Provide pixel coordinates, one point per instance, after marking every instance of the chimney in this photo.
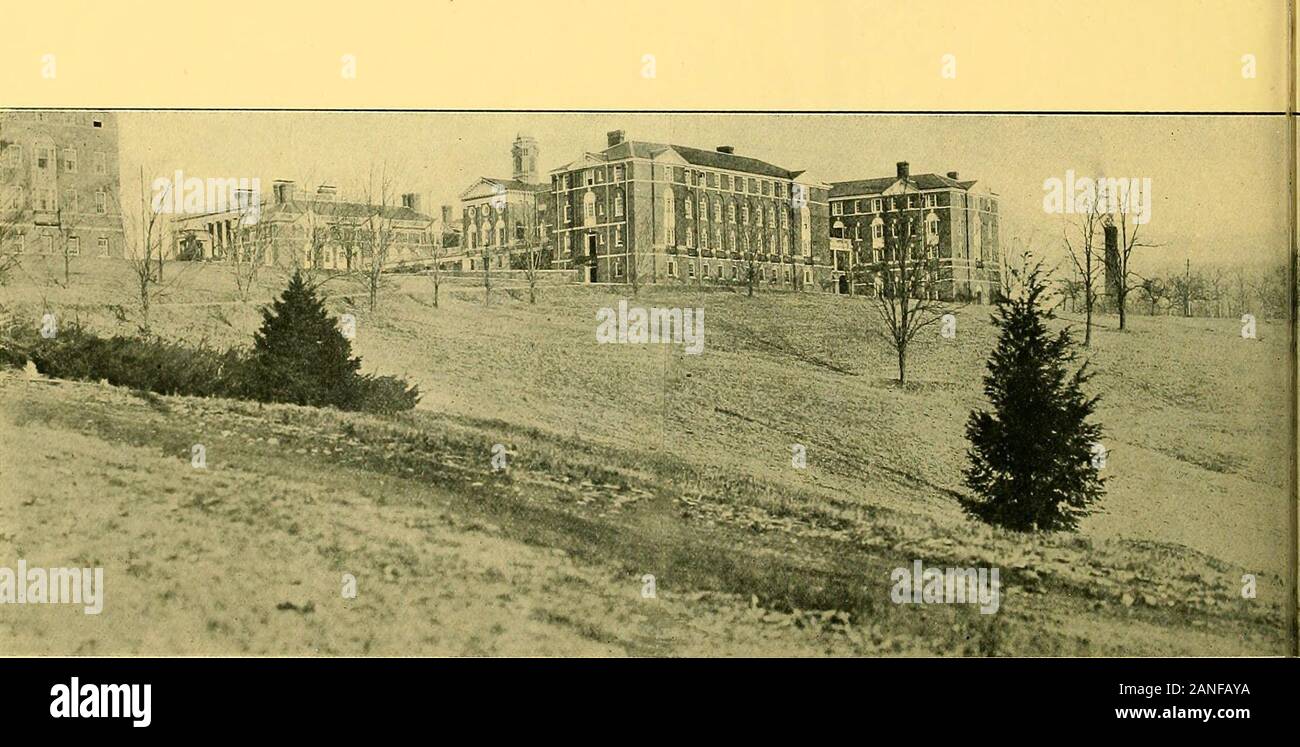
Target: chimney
(1111, 260)
(283, 190)
(902, 169)
(952, 175)
(411, 200)
(326, 192)
(726, 149)
(614, 137)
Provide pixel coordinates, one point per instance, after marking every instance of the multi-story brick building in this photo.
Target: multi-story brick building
(59, 183)
(651, 213)
(311, 231)
(507, 222)
(956, 221)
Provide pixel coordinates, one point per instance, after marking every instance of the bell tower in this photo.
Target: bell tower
(524, 153)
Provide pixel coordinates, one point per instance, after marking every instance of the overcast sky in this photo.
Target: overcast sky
(1218, 183)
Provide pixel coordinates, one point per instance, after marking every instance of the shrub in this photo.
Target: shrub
(299, 357)
(1031, 459)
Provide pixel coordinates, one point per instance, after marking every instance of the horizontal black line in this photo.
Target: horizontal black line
(910, 112)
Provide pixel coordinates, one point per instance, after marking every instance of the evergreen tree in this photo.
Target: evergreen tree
(300, 356)
(1031, 458)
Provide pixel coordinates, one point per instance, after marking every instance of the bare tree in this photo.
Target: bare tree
(377, 234)
(1128, 241)
(908, 301)
(251, 247)
(1155, 290)
(144, 258)
(10, 254)
(1270, 288)
(436, 253)
(1085, 254)
(1216, 288)
(69, 244)
(1071, 288)
(487, 276)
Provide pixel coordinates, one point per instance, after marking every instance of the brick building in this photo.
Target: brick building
(59, 184)
(955, 220)
(311, 231)
(653, 213)
(507, 222)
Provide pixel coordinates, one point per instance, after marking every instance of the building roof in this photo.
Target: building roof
(499, 186)
(335, 208)
(878, 185)
(712, 159)
(331, 208)
(514, 185)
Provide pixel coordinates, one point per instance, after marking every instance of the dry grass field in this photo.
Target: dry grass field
(627, 460)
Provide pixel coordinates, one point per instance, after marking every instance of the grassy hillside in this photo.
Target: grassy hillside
(630, 460)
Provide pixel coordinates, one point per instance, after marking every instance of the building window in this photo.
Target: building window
(103, 246)
(807, 276)
(15, 155)
(70, 160)
(837, 208)
(805, 231)
(688, 205)
(690, 236)
(706, 271)
(734, 275)
(704, 209)
(672, 269)
(931, 201)
(718, 272)
(717, 210)
(726, 182)
(618, 236)
(101, 201)
(618, 269)
(875, 205)
(589, 208)
(568, 213)
(74, 246)
(690, 269)
(731, 212)
(46, 200)
(589, 177)
(70, 201)
(618, 203)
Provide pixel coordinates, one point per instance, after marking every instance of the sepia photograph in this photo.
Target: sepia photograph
(645, 384)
